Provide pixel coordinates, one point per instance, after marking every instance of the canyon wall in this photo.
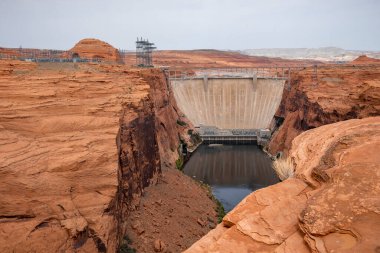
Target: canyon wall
(331, 205)
(229, 103)
(341, 92)
(79, 142)
(148, 139)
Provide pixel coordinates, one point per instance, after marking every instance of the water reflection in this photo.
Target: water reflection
(233, 171)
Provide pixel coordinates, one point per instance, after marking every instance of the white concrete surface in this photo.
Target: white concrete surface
(229, 103)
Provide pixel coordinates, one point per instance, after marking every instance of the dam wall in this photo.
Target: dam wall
(229, 103)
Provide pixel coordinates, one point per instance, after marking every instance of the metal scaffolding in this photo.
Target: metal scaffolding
(144, 50)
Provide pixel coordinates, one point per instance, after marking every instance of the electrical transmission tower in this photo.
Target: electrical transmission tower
(144, 50)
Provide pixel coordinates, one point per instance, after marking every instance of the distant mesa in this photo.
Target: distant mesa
(363, 59)
(95, 49)
(329, 54)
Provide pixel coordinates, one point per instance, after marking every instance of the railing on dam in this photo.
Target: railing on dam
(275, 72)
(214, 135)
(229, 139)
(259, 72)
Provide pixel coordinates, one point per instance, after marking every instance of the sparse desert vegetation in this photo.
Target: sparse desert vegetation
(284, 168)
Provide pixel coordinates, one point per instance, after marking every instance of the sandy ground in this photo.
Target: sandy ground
(172, 215)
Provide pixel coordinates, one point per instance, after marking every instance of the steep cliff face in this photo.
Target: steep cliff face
(341, 93)
(59, 160)
(139, 161)
(79, 142)
(332, 204)
(149, 138)
(168, 117)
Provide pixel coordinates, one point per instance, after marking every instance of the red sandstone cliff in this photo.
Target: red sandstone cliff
(332, 204)
(79, 142)
(342, 92)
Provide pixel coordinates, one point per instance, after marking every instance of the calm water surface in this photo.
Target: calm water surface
(232, 171)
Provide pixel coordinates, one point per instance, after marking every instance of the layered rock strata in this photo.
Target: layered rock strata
(332, 94)
(79, 142)
(331, 205)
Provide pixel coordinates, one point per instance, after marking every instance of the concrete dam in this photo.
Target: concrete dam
(233, 107)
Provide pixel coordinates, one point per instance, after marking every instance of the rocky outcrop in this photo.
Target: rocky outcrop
(332, 204)
(363, 59)
(95, 49)
(79, 142)
(339, 93)
(343, 213)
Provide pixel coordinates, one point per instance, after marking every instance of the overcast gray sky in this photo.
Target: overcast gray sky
(192, 24)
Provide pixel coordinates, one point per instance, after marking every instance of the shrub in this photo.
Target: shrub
(195, 138)
(284, 168)
(181, 123)
(179, 163)
(219, 210)
(127, 239)
(124, 246)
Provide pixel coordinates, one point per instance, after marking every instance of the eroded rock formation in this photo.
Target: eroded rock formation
(363, 59)
(339, 93)
(95, 49)
(79, 142)
(332, 204)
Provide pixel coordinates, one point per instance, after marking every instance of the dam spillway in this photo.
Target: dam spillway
(229, 102)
